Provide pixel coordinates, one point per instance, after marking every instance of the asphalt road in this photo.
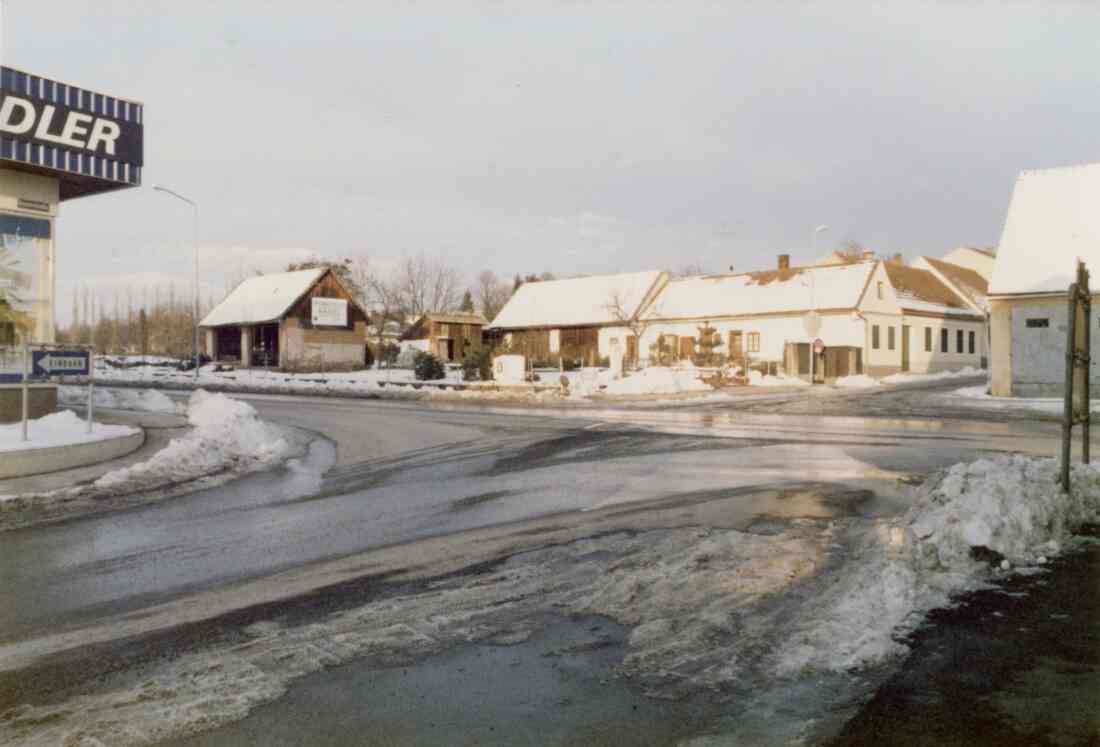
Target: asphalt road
(399, 472)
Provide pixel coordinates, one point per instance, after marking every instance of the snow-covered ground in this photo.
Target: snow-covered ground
(139, 400)
(801, 606)
(862, 380)
(57, 429)
(980, 396)
(660, 380)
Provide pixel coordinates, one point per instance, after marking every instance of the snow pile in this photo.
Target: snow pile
(1010, 506)
(908, 378)
(142, 400)
(57, 429)
(758, 379)
(860, 381)
(659, 380)
(226, 435)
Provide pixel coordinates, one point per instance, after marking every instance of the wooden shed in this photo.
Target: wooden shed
(448, 336)
(303, 321)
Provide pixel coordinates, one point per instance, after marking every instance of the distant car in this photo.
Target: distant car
(188, 364)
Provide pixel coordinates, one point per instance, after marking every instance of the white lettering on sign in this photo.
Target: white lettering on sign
(329, 312)
(80, 130)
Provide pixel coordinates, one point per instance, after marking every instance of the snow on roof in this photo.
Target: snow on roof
(263, 298)
(771, 291)
(1053, 219)
(575, 302)
(921, 290)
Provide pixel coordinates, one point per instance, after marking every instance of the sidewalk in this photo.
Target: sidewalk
(1015, 665)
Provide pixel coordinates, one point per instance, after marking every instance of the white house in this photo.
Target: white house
(574, 317)
(898, 318)
(1053, 220)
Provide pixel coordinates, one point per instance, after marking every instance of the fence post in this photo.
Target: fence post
(91, 386)
(1067, 417)
(1086, 362)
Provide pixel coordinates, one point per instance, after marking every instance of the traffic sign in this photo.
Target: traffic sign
(819, 346)
(60, 362)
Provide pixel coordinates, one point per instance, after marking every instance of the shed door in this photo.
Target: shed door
(631, 348)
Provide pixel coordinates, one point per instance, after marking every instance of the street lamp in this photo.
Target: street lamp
(813, 320)
(195, 326)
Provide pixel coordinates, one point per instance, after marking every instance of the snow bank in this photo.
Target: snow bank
(226, 435)
(1010, 505)
(142, 400)
(659, 380)
(910, 378)
(57, 429)
(860, 381)
(758, 379)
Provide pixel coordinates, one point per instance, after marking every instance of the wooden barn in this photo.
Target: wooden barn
(302, 321)
(448, 336)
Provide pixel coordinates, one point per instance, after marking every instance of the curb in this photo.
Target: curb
(28, 462)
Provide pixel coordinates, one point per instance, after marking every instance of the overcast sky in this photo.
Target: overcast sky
(573, 137)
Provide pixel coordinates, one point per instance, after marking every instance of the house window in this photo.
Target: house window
(959, 341)
(687, 348)
(874, 337)
(669, 345)
(890, 338)
(752, 344)
(881, 292)
(943, 340)
(971, 343)
(7, 333)
(1038, 323)
(928, 339)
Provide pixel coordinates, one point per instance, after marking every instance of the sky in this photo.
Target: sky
(570, 137)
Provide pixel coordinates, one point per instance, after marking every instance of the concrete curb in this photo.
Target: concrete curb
(55, 458)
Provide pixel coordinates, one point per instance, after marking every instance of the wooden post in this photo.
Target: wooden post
(1085, 300)
(1067, 417)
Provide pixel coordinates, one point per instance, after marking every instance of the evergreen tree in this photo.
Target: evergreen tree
(707, 343)
(467, 303)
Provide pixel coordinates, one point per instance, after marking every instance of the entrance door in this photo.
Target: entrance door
(450, 350)
(632, 349)
(905, 347)
(736, 351)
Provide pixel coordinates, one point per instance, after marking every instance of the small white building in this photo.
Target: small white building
(1053, 220)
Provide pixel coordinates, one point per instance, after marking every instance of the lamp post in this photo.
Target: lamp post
(195, 326)
(816, 323)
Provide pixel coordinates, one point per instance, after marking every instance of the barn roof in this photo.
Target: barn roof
(1053, 219)
(577, 301)
(264, 298)
(767, 292)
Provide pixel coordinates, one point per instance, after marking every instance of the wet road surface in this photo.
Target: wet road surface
(479, 469)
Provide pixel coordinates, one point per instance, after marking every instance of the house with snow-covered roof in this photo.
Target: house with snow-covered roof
(1053, 220)
(873, 316)
(301, 320)
(576, 317)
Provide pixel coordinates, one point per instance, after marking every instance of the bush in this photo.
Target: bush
(477, 365)
(389, 353)
(426, 367)
(368, 356)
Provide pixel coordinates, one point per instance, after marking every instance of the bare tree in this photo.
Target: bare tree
(492, 294)
(429, 284)
(635, 317)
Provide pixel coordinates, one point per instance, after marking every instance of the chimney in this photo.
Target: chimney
(784, 261)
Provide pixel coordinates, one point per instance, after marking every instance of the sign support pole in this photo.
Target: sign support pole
(26, 388)
(91, 386)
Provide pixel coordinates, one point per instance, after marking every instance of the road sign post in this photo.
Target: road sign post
(1076, 410)
(26, 389)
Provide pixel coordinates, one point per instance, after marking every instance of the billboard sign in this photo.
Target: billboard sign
(329, 312)
(92, 141)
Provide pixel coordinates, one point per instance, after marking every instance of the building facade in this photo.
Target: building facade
(447, 336)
